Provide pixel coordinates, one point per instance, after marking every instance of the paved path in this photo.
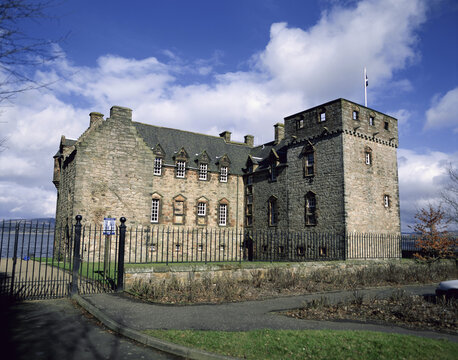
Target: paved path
(56, 329)
(242, 316)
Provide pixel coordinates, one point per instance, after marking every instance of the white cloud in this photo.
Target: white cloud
(17, 201)
(421, 179)
(443, 111)
(298, 68)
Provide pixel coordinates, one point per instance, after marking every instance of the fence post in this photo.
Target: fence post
(76, 255)
(122, 242)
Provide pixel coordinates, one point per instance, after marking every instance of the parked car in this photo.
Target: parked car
(448, 288)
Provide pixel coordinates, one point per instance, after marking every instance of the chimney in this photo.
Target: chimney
(94, 117)
(249, 140)
(226, 135)
(121, 113)
(279, 132)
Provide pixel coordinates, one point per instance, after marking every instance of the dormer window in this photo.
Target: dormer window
(158, 166)
(223, 174)
(181, 168)
(203, 172)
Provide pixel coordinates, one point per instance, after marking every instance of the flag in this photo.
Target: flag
(367, 81)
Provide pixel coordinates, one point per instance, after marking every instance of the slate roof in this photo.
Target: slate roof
(172, 140)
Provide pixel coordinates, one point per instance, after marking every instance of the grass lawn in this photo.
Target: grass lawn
(311, 344)
(88, 269)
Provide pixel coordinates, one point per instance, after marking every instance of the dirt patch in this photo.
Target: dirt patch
(412, 311)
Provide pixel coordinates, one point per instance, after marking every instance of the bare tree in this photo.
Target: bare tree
(450, 195)
(21, 53)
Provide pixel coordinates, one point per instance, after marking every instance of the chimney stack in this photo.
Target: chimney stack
(249, 140)
(279, 132)
(226, 135)
(95, 117)
(121, 112)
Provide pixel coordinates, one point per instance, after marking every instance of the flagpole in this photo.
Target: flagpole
(365, 87)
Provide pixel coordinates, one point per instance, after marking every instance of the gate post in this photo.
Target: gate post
(76, 255)
(122, 242)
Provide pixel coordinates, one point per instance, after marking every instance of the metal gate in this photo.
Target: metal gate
(41, 261)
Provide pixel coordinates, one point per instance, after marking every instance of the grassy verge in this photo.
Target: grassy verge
(281, 281)
(308, 344)
(91, 270)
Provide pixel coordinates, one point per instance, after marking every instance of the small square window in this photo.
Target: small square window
(322, 116)
(300, 123)
(386, 201)
(368, 158)
(386, 126)
(355, 115)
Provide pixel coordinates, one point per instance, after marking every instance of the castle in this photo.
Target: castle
(331, 168)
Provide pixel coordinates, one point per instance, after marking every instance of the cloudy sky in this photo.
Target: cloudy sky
(237, 65)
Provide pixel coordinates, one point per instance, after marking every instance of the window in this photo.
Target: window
(155, 211)
(355, 115)
(222, 214)
(322, 116)
(181, 169)
(201, 209)
(386, 126)
(249, 180)
(309, 163)
(273, 212)
(223, 174)
(371, 120)
(158, 166)
(203, 170)
(368, 157)
(179, 210)
(300, 124)
(310, 209)
(273, 172)
(386, 200)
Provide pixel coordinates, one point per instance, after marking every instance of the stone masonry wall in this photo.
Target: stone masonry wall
(326, 184)
(113, 173)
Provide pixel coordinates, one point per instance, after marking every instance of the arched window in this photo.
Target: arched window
(273, 211)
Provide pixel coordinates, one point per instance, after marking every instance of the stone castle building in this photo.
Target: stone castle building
(331, 168)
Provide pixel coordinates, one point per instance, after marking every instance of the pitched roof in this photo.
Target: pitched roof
(172, 140)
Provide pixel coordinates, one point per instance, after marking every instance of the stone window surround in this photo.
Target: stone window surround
(386, 201)
(157, 166)
(156, 198)
(202, 215)
(272, 211)
(223, 217)
(203, 171)
(223, 174)
(368, 156)
(180, 169)
(310, 211)
(177, 211)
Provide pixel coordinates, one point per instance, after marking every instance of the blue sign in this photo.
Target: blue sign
(109, 226)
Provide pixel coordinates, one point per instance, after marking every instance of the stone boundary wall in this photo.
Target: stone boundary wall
(235, 271)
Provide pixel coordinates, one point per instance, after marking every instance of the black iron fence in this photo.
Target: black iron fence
(39, 261)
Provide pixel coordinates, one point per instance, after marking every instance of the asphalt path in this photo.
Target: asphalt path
(58, 329)
(244, 316)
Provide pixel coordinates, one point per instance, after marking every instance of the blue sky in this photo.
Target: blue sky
(242, 66)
